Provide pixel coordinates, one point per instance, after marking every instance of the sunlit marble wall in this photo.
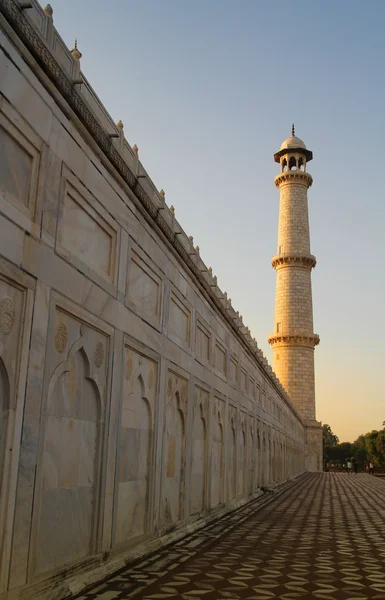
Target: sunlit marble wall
(129, 410)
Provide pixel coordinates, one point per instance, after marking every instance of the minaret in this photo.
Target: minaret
(293, 340)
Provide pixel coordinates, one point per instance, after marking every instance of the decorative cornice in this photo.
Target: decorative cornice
(308, 260)
(294, 339)
(299, 176)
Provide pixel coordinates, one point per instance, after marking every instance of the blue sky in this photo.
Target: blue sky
(208, 91)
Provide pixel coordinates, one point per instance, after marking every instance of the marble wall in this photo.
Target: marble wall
(130, 408)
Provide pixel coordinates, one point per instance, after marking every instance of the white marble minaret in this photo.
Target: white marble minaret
(293, 340)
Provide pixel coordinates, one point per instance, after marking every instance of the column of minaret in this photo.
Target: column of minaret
(293, 339)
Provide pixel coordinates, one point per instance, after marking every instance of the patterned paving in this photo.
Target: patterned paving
(323, 537)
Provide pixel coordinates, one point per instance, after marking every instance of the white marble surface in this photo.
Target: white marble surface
(134, 400)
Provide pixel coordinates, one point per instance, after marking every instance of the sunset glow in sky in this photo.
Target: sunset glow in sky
(208, 91)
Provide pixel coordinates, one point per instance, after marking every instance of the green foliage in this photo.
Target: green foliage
(380, 446)
(368, 446)
(329, 438)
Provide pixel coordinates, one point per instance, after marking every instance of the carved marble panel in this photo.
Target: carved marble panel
(199, 450)
(135, 447)
(70, 466)
(179, 324)
(217, 452)
(87, 235)
(174, 449)
(20, 151)
(202, 342)
(220, 358)
(233, 369)
(144, 289)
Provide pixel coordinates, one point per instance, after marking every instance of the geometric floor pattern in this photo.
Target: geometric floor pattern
(323, 537)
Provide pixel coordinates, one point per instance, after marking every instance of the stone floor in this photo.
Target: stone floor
(321, 537)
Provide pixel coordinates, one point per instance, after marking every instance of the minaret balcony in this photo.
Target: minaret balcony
(304, 260)
(295, 176)
(294, 338)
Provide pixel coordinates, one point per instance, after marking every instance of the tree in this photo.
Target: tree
(329, 438)
(380, 446)
(330, 441)
(371, 443)
(360, 452)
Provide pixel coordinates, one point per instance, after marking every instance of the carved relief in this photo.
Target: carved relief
(150, 380)
(128, 369)
(61, 337)
(7, 315)
(99, 354)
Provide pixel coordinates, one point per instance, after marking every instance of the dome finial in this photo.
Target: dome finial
(292, 130)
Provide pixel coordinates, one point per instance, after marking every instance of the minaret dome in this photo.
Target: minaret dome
(293, 154)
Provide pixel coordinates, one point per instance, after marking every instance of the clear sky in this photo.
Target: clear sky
(208, 90)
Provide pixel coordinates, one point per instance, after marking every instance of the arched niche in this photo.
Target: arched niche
(231, 456)
(198, 474)
(252, 461)
(175, 461)
(70, 465)
(242, 462)
(217, 462)
(134, 461)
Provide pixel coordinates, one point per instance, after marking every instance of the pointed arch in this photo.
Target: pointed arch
(134, 460)
(71, 465)
(175, 455)
(231, 457)
(198, 468)
(217, 461)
